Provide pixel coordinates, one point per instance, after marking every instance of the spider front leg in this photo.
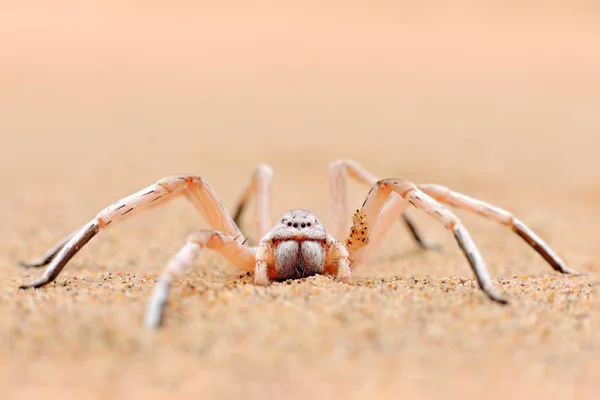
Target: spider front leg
(193, 188)
(340, 171)
(368, 216)
(337, 262)
(231, 248)
(264, 269)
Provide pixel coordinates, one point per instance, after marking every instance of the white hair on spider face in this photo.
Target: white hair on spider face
(298, 240)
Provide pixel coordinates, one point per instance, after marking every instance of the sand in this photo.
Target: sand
(98, 102)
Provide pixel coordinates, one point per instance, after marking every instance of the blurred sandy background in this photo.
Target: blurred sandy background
(498, 101)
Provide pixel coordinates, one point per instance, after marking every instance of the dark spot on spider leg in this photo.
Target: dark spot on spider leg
(364, 202)
(159, 197)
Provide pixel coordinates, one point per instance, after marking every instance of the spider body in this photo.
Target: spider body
(298, 245)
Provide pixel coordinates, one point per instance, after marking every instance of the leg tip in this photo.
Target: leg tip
(26, 286)
(154, 313)
(31, 264)
(33, 285)
(157, 303)
(261, 280)
(153, 321)
(496, 298)
(431, 246)
(569, 271)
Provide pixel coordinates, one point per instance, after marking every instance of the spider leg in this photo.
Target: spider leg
(368, 217)
(337, 261)
(417, 234)
(50, 254)
(260, 188)
(504, 217)
(394, 207)
(233, 250)
(194, 188)
(339, 172)
(263, 270)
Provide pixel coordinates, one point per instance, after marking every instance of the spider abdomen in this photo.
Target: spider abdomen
(298, 259)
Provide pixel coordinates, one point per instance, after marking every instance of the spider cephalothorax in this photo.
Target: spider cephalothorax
(299, 242)
(298, 245)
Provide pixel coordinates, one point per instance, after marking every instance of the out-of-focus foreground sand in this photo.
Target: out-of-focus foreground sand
(500, 103)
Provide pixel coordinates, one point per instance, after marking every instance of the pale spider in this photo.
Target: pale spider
(298, 245)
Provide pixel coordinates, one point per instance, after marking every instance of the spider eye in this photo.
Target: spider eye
(295, 224)
(303, 225)
(308, 224)
(289, 224)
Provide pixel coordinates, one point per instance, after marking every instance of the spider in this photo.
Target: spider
(298, 245)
